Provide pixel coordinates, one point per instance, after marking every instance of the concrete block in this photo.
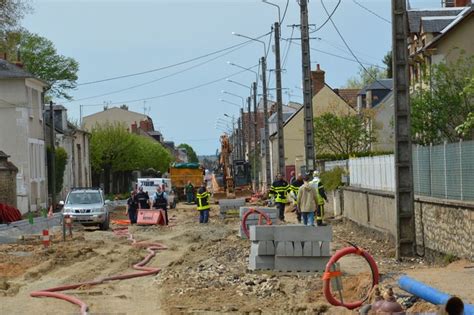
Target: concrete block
(256, 216)
(325, 249)
(261, 232)
(270, 247)
(267, 210)
(301, 264)
(303, 233)
(298, 248)
(261, 262)
(307, 249)
(289, 249)
(280, 249)
(316, 249)
(258, 248)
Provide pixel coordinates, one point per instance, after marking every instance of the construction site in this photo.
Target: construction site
(204, 269)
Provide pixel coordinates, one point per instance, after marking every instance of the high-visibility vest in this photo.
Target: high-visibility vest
(203, 200)
(317, 185)
(279, 189)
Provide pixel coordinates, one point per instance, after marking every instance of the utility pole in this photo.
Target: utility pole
(249, 127)
(279, 99)
(307, 93)
(404, 201)
(242, 133)
(265, 117)
(255, 135)
(53, 155)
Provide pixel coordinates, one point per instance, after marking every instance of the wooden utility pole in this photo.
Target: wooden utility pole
(279, 99)
(307, 93)
(242, 134)
(405, 229)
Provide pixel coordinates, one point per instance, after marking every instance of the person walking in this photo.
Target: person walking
(292, 177)
(294, 188)
(307, 201)
(132, 207)
(279, 191)
(203, 204)
(189, 192)
(143, 199)
(322, 198)
(160, 201)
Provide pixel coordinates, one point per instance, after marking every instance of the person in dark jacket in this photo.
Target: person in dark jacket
(203, 204)
(143, 199)
(160, 201)
(132, 207)
(189, 192)
(279, 191)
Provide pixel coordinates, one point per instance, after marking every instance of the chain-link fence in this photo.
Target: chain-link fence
(444, 171)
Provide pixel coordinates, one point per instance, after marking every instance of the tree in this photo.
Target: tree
(387, 60)
(60, 165)
(115, 152)
(192, 157)
(372, 74)
(11, 13)
(40, 58)
(342, 134)
(441, 108)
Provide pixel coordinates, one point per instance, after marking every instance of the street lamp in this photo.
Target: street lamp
(231, 103)
(235, 95)
(244, 68)
(238, 83)
(275, 5)
(265, 107)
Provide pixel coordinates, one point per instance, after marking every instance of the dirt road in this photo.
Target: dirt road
(203, 271)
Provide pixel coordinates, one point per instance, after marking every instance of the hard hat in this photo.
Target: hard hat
(316, 173)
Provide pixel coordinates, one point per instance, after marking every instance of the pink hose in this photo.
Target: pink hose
(145, 271)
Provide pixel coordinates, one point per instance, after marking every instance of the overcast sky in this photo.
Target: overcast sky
(113, 38)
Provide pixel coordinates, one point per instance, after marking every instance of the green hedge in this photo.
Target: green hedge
(337, 157)
(332, 179)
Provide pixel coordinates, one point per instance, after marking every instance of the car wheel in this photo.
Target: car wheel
(105, 225)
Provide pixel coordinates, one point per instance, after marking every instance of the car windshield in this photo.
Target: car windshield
(84, 198)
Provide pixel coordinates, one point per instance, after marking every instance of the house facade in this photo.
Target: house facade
(131, 120)
(76, 144)
(21, 98)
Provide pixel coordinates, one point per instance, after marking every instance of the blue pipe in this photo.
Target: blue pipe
(428, 293)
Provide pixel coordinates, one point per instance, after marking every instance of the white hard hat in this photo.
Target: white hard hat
(316, 173)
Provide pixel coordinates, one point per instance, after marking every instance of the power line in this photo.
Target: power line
(349, 48)
(374, 13)
(284, 13)
(288, 47)
(329, 17)
(178, 91)
(339, 56)
(161, 78)
(170, 66)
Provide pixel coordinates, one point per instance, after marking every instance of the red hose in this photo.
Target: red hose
(261, 214)
(328, 275)
(145, 271)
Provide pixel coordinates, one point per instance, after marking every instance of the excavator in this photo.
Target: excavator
(230, 180)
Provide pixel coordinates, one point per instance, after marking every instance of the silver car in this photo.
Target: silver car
(87, 207)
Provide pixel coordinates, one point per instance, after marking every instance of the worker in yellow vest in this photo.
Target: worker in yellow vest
(203, 205)
(279, 191)
(321, 198)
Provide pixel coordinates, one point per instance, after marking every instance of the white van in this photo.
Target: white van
(149, 185)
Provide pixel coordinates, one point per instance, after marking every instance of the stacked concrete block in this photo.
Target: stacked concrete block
(253, 219)
(230, 207)
(290, 247)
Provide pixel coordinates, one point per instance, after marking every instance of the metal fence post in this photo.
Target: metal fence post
(445, 171)
(460, 169)
(417, 150)
(431, 170)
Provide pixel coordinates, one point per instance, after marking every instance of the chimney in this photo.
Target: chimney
(462, 3)
(318, 79)
(134, 127)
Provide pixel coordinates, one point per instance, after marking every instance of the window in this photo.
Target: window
(37, 159)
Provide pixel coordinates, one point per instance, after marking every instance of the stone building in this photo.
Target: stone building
(8, 173)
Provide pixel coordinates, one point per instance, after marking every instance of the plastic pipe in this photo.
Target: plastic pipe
(261, 213)
(145, 271)
(328, 275)
(428, 293)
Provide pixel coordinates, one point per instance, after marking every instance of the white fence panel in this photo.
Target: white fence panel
(376, 172)
(329, 165)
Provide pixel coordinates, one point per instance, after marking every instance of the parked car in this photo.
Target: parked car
(88, 207)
